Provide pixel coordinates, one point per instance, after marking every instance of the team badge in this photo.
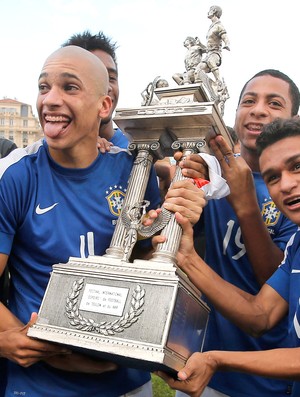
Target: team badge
(115, 197)
(270, 213)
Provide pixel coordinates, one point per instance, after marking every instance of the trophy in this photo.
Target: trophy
(143, 314)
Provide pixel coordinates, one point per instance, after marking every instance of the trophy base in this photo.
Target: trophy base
(144, 315)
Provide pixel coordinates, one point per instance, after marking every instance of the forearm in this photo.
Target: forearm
(263, 253)
(276, 363)
(235, 304)
(8, 320)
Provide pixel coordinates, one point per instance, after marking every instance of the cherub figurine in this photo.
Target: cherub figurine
(192, 59)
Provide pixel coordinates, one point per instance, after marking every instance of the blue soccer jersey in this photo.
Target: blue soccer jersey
(286, 281)
(225, 253)
(119, 139)
(47, 214)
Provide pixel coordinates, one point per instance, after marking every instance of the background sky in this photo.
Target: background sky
(263, 34)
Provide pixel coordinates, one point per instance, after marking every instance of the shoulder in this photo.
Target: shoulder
(120, 139)
(17, 157)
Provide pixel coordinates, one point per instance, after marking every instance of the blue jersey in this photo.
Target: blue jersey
(286, 281)
(47, 214)
(225, 253)
(119, 139)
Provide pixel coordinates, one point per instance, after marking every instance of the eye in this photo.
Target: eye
(271, 179)
(43, 88)
(71, 87)
(247, 101)
(276, 104)
(113, 78)
(297, 167)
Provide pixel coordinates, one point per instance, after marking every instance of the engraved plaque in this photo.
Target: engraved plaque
(155, 318)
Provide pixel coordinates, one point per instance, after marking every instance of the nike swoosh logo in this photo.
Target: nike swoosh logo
(41, 211)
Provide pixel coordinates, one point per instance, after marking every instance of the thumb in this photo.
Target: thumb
(32, 321)
(184, 374)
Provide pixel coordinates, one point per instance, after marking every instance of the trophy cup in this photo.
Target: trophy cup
(143, 314)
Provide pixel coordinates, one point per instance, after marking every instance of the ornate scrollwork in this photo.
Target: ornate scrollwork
(105, 327)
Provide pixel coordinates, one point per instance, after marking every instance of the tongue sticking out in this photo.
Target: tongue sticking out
(54, 129)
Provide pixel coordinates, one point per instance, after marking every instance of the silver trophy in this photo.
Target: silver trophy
(145, 314)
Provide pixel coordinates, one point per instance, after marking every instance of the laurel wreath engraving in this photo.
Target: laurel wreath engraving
(103, 328)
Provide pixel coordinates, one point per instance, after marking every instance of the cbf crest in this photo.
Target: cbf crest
(270, 213)
(115, 197)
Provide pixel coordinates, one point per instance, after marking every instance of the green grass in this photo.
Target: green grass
(160, 388)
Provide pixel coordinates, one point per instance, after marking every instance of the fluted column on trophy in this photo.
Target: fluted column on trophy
(166, 252)
(134, 198)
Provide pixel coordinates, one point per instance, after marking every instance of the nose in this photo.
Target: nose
(259, 109)
(110, 89)
(54, 97)
(287, 182)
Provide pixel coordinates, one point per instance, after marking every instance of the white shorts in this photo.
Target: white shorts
(143, 391)
(208, 392)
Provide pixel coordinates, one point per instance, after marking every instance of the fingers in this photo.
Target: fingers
(177, 156)
(221, 150)
(184, 197)
(194, 166)
(103, 145)
(149, 218)
(159, 239)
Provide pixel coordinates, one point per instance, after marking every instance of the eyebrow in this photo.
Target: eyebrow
(289, 161)
(112, 70)
(269, 96)
(64, 75)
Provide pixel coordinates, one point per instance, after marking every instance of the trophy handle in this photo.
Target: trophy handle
(167, 251)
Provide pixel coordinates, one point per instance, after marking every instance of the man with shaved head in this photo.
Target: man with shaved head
(55, 203)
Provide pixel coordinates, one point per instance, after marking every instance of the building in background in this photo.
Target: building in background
(18, 123)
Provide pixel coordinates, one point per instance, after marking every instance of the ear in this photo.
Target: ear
(105, 106)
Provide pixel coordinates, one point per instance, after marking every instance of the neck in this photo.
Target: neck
(251, 159)
(107, 131)
(81, 155)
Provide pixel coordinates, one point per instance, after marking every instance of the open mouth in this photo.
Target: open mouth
(254, 127)
(293, 202)
(55, 125)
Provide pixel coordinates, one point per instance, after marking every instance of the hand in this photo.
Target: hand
(103, 145)
(237, 174)
(186, 248)
(187, 199)
(165, 172)
(194, 377)
(16, 346)
(192, 166)
(76, 362)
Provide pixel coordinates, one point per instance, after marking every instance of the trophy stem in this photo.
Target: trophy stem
(135, 193)
(167, 251)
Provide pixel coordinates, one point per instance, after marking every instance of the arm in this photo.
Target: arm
(253, 314)
(16, 346)
(200, 367)
(263, 253)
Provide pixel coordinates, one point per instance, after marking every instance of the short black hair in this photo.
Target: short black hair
(275, 131)
(293, 90)
(92, 42)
